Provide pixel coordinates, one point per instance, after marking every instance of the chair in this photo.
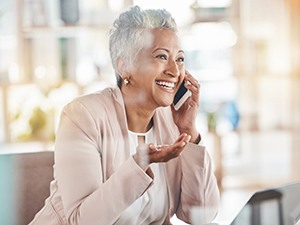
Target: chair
(24, 185)
(258, 198)
(253, 212)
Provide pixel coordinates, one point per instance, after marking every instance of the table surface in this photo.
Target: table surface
(232, 201)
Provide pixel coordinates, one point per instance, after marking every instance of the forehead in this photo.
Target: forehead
(162, 38)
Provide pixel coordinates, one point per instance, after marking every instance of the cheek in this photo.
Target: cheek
(148, 67)
(150, 70)
(182, 70)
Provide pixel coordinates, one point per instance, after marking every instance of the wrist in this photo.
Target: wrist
(195, 135)
(196, 140)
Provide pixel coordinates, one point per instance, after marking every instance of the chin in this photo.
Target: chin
(166, 104)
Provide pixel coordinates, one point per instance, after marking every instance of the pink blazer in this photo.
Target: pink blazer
(96, 179)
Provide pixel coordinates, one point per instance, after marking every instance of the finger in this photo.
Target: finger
(152, 148)
(185, 139)
(193, 85)
(189, 77)
(177, 147)
(166, 153)
(181, 137)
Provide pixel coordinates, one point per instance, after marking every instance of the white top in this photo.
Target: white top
(156, 197)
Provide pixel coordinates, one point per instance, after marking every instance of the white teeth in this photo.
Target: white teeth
(166, 84)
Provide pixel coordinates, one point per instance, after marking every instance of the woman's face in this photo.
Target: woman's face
(157, 71)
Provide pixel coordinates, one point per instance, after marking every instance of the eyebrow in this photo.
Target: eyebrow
(167, 50)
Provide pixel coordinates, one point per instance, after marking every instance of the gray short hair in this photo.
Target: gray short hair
(126, 34)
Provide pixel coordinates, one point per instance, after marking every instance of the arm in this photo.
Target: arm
(87, 197)
(185, 117)
(198, 186)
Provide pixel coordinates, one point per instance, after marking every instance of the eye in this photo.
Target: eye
(180, 59)
(162, 56)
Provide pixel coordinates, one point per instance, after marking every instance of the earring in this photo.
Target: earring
(126, 81)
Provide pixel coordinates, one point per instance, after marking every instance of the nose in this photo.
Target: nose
(172, 69)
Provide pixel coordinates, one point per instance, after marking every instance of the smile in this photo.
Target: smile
(164, 84)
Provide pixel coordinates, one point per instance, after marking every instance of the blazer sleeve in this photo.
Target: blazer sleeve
(86, 198)
(199, 190)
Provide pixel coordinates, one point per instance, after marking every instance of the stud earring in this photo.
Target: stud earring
(126, 81)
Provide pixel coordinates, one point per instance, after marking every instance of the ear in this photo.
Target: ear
(122, 67)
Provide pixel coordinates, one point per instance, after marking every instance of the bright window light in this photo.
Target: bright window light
(180, 10)
(211, 36)
(214, 3)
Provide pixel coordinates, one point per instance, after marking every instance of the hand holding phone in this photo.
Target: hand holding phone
(181, 96)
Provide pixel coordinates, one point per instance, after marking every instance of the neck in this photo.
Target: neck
(139, 122)
(138, 119)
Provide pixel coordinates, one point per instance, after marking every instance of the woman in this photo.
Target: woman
(124, 155)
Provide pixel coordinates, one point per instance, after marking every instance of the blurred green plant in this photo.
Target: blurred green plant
(212, 121)
(37, 126)
(37, 121)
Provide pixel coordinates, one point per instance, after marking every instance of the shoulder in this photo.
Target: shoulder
(91, 99)
(94, 103)
(94, 111)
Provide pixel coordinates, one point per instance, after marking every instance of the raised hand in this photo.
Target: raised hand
(150, 153)
(185, 116)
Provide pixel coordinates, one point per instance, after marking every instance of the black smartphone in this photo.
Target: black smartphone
(181, 96)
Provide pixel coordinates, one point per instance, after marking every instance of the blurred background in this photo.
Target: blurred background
(245, 54)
